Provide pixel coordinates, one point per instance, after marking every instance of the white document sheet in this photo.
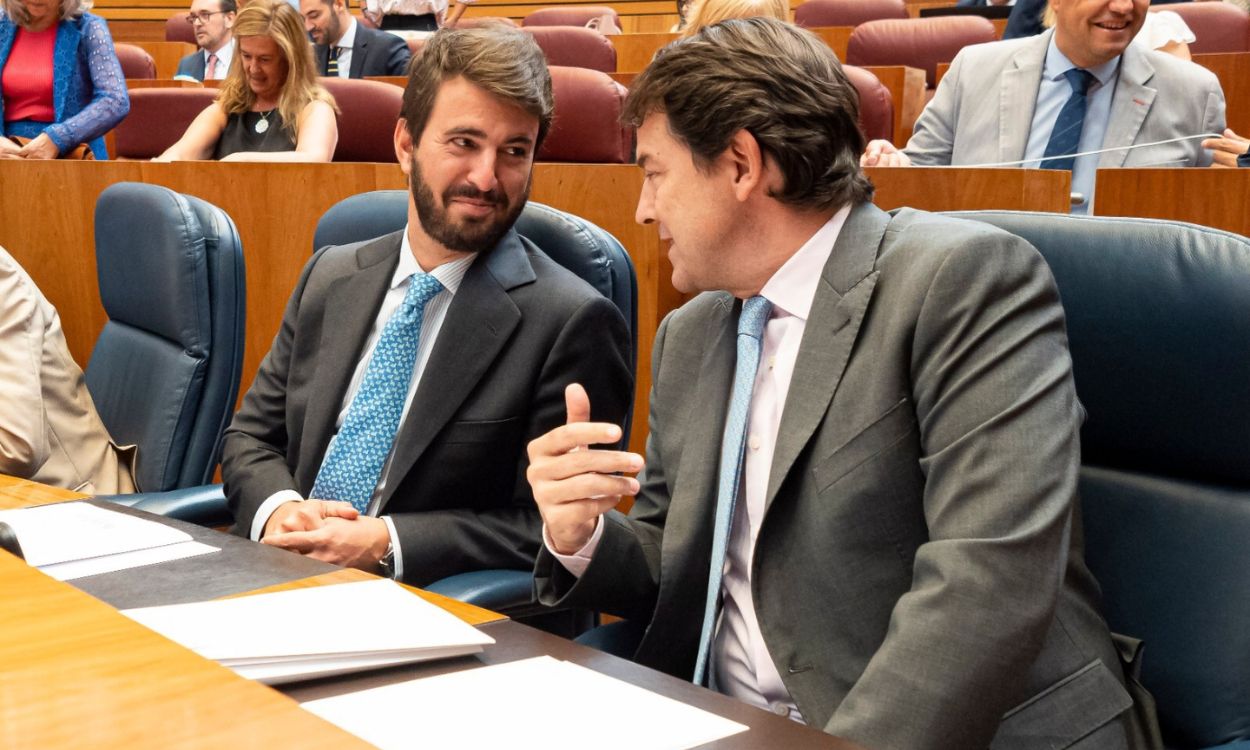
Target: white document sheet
(533, 703)
(62, 532)
(313, 632)
(68, 571)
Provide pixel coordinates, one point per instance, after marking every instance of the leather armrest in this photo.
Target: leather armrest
(204, 505)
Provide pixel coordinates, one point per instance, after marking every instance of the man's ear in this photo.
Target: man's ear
(747, 162)
(228, 19)
(403, 145)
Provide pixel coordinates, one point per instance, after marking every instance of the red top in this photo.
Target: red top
(27, 78)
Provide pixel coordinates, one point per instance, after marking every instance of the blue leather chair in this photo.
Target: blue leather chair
(164, 373)
(590, 252)
(1158, 318)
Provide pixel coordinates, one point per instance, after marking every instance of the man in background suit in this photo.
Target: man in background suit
(410, 370)
(1000, 102)
(212, 21)
(347, 49)
(49, 429)
(859, 494)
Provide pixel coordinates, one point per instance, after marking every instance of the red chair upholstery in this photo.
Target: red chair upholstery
(587, 125)
(367, 114)
(178, 29)
(847, 12)
(569, 16)
(136, 62)
(575, 47)
(876, 108)
(918, 42)
(157, 119)
(1218, 27)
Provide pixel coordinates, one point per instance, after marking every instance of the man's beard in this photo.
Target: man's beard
(470, 235)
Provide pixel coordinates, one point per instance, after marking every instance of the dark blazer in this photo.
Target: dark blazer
(374, 53)
(192, 65)
(918, 576)
(519, 330)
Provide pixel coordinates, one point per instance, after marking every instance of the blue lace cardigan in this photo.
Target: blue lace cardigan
(88, 88)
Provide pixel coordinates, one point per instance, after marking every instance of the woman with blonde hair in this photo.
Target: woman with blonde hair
(270, 107)
(707, 12)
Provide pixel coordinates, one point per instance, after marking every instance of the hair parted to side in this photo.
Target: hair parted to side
(277, 20)
(707, 12)
(16, 10)
(228, 6)
(500, 59)
(778, 82)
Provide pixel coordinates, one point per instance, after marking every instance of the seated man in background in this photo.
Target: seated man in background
(1080, 87)
(347, 49)
(212, 21)
(858, 501)
(386, 428)
(49, 429)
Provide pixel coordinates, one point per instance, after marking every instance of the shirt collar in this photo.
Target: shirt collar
(1058, 63)
(348, 39)
(449, 274)
(793, 287)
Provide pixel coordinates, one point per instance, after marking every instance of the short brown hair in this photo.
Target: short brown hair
(504, 61)
(778, 82)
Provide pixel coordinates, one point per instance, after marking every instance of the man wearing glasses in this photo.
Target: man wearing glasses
(211, 20)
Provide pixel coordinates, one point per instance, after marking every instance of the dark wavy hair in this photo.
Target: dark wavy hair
(778, 82)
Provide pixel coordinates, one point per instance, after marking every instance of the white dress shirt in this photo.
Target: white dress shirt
(224, 56)
(345, 44)
(741, 665)
(450, 275)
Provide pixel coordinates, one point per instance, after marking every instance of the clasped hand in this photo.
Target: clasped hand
(329, 531)
(574, 485)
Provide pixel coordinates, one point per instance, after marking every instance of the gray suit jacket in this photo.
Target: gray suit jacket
(519, 330)
(918, 576)
(374, 53)
(982, 110)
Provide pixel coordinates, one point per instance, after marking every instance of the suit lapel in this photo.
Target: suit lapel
(481, 312)
(846, 286)
(360, 48)
(1129, 105)
(323, 58)
(351, 306)
(1018, 97)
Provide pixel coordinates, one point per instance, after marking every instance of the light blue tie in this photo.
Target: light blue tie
(750, 331)
(354, 461)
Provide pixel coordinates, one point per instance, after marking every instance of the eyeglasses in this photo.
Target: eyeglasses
(203, 16)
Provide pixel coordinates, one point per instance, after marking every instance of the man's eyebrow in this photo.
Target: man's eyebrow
(478, 133)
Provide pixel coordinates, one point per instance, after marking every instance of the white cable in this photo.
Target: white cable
(1021, 162)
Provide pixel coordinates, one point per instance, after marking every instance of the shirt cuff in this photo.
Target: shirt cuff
(577, 562)
(267, 508)
(397, 566)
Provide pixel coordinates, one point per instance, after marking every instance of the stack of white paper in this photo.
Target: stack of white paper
(314, 632)
(533, 703)
(72, 540)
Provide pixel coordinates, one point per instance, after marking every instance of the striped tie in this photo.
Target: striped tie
(1065, 138)
(332, 61)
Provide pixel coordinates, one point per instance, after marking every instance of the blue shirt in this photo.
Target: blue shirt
(1052, 93)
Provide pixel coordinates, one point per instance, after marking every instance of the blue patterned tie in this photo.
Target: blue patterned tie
(750, 330)
(1065, 137)
(354, 461)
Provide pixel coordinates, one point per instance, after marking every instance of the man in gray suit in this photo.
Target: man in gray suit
(888, 499)
(999, 102)
(386, 430)
(212, 21)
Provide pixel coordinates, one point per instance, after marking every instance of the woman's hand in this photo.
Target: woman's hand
(41, 147)
(9, 149)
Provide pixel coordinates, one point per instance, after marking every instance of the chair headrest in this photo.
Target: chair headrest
(587, 124)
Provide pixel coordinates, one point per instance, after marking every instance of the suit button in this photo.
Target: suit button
(754, 442)
(780, 709)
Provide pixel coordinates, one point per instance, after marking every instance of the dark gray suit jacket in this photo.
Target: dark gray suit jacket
(519, 330)
(192, 65)
(374, 53)
(918, 576)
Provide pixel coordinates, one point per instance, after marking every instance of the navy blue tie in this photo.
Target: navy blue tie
(1065, 138)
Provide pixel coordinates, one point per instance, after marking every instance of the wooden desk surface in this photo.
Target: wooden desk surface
(75, 673)
(1217, 198)
(23, 493)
